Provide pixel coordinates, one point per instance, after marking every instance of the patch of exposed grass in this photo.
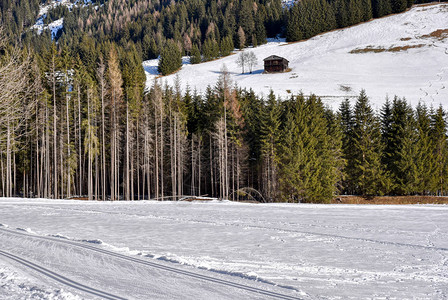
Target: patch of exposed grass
(371, 49)
(345, 88)
(405, 39)
(391, 200)
(439, 34)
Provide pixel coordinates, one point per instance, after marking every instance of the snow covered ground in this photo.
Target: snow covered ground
(221, 250)
(324, 65)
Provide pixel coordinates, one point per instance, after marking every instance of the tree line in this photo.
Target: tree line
(67, 130)
(203, 30)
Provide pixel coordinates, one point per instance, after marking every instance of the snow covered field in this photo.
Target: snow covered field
(324, 65)
(221, 250)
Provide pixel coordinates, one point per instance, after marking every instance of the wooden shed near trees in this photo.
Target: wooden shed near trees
(275, 64)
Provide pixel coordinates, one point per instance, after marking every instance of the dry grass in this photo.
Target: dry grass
(427, 4)
(345, 88)
(405, 39)
(368, 49)
(78, 198)
(371, 49)
(396, 200)
(439, 34)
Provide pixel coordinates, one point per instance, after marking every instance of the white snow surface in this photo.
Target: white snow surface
(323, 65)
(298, 250)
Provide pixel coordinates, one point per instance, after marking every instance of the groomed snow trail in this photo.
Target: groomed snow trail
(129, 259)
(59, 278)
(301, 251)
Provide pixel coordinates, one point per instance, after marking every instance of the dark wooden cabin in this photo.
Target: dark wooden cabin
(274, 64)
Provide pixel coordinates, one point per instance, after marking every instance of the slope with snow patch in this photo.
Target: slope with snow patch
(56, 25)
(404, 55)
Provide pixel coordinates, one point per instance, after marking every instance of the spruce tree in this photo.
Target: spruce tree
(170, 59)
(345, 116)
(270, 138)
(440, 154)
(424, 157)
(293, 32)
(195, 57)
(308, 168)
(368, 175)
(398, 5)
(400, 149)
(404, 169)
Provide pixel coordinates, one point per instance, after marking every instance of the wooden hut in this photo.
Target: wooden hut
(274, 64)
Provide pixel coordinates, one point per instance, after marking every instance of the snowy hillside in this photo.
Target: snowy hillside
(404, 55)
(221, 250)
(56, 25)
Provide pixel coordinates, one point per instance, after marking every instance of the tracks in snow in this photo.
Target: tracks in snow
(142, 262)
(272, 228)
(59, 278)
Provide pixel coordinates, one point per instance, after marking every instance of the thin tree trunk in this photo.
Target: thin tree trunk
(79, 141)
(127, 152)
(55, 160)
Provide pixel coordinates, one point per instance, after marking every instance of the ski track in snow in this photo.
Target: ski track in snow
(71, 283)
(59, 278)
(430, 246)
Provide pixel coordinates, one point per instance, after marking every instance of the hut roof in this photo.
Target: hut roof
(274, 57)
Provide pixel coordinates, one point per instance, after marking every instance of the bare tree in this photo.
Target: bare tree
(242, 61)
(251, 60)
(14, 109)
(116, 93)
(101, 77)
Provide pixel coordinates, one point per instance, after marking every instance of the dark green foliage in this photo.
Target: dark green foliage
(195, 57)
(368, 176)
(170, 59)
(210, 50)
(398, 5)
(401, 147)
(438, 137)
(17, 16)
(424, 159)
(345, 117)
(307, 165)
(226, 46)
(293, 32)
(381, 8)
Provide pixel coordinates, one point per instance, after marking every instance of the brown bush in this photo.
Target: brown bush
(391, 200)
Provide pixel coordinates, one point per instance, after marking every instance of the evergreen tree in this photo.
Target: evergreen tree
(293, 32)
(368, 175)
(195, 57)
(270, 139)
(226, 46)
(398, 5)
(308, 169)
(401, 135)
(170, 59)
(424, 158)
(346, 124)
(439, 140)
